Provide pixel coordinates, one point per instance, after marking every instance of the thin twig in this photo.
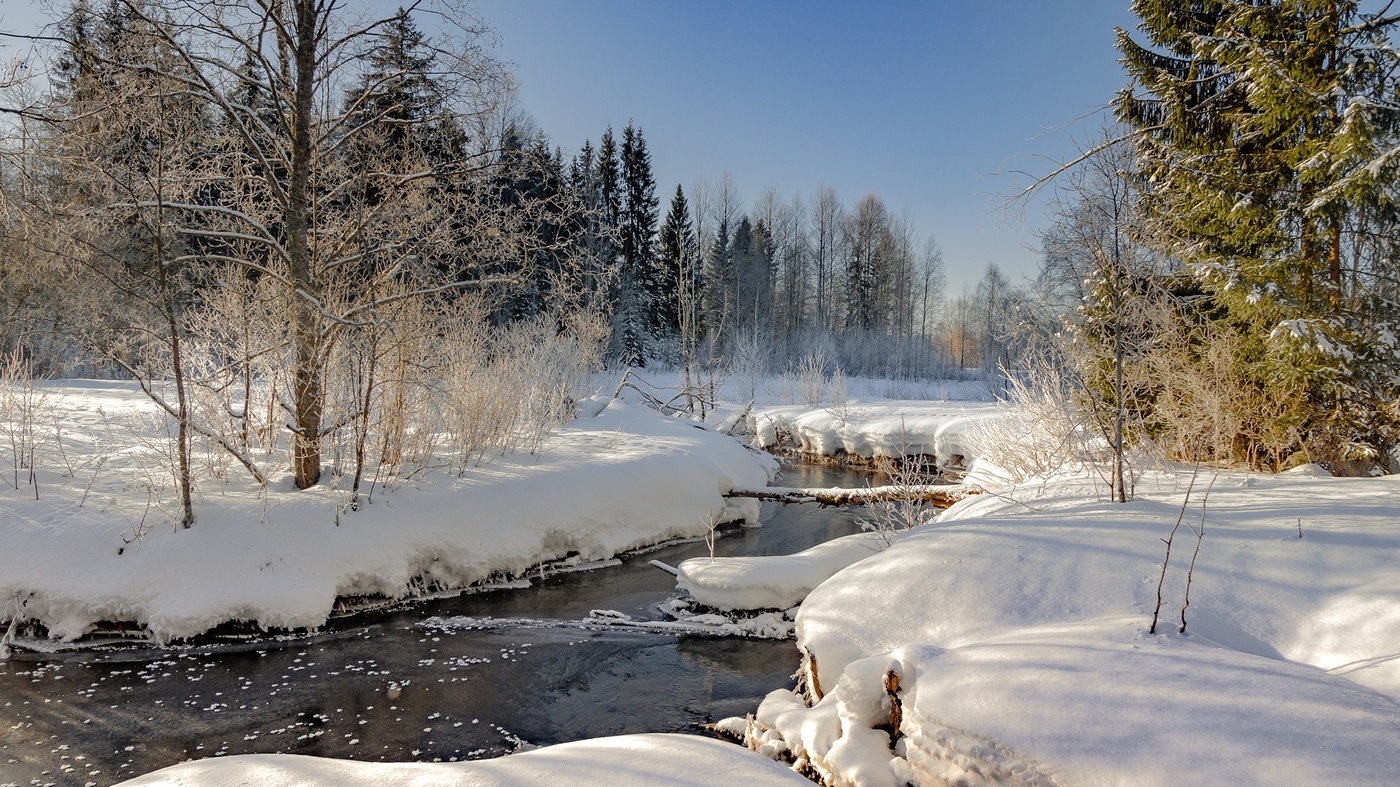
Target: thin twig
(1191, 570)
(1162, 578)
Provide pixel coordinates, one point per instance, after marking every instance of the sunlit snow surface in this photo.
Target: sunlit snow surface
(623, 761)
(622, 479)
(1017, 628)
(869, 428)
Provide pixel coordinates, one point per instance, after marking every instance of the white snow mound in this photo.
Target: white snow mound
(279, 558)
(773, 581)
(622, 761)
(1017, 629)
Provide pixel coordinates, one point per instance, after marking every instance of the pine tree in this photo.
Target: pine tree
(1265, 134)
(591, 232)
(529, 187)
(755, 270)
(78, 60)
(867, 233)
(737, 258)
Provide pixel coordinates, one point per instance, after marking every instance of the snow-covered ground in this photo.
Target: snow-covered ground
(871, 427)
(624, 761)
(1005, 643)
(858, 417)
(621, 479)
(773, 581)
(1014, 635)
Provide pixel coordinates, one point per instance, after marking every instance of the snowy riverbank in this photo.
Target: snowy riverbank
(871, 428)
(623, 761)
(1009, 641)
(1006, 642)
(619, 480)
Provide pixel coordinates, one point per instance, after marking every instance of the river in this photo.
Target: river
(384, 686)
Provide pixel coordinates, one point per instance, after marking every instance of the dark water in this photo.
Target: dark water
(97, 717)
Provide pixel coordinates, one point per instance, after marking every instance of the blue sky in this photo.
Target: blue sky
(920, 102)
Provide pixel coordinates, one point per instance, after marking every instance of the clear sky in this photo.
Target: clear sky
(922, 102)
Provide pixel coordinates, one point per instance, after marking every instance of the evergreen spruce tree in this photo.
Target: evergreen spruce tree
(529, 186)
(718, 290)
(626, 338)
(610, 178)
(591, 230)
(78, 59)
(740, 246)
(677, 272)
(756, 274)
(1265, 133)
(639, 228)
(399, 109)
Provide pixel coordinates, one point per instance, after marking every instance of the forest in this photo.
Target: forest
(261, 211)
(304, 228)
(354, 429)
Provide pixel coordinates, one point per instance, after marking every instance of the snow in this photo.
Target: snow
(772, 581)
(874, 428)
(620, 761)
(686, 620)
(1017, 629)
(869, 427)
(1006, 642)
(278, 558)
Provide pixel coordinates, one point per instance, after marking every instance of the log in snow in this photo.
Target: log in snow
(672, 570)
(936, 495)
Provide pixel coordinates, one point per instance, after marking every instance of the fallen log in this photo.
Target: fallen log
(672, 570)
(936, 495)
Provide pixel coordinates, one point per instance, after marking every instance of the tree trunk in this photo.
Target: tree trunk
(306, 324)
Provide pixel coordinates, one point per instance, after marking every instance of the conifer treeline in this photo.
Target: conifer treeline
(789, 275)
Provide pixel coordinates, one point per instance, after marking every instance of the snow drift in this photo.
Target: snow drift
(1015, 635)
(623, 761)
(279, 558)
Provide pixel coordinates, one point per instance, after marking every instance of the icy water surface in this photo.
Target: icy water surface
(384, 687)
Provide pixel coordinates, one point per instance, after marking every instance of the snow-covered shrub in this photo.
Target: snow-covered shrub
(749, 356)
(1042, 431)
(891, 516)
(807, 380)
(22, 402)
(840, 401)
(510, 387)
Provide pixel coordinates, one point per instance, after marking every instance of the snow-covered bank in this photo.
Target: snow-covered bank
(946, 430)
(871, 428)
(622, 479)
(1010, 640)
(621, 761)
(773, 581)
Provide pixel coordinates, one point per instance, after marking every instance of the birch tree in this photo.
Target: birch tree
(341, 240)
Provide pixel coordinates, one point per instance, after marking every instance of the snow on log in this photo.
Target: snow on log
(937, 495)
(672, 570)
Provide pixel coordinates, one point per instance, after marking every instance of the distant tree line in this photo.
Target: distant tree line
(278, 217)
(709, 274)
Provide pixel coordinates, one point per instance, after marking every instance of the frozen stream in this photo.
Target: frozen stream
(96, 717)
